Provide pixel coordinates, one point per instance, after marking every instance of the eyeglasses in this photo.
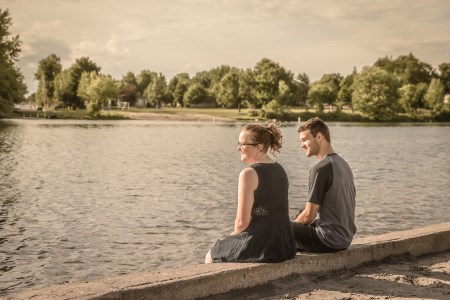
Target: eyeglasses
(246, 144)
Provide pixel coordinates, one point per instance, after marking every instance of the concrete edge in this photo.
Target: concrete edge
(192, 282)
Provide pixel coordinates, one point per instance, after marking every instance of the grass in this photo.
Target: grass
(290, 114)
(217, 112)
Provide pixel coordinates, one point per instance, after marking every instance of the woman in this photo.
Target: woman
(262, 230)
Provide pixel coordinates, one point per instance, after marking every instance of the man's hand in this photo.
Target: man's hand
(308, 215)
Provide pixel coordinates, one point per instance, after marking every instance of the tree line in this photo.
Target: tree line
(390, 86)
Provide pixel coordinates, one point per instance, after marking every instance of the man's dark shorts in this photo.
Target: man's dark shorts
(306, 236)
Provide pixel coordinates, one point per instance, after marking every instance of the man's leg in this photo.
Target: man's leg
(303, 236)
(308, 240)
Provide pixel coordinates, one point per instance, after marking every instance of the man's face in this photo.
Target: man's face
(309, 143)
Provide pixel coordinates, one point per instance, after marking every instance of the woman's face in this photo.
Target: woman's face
(248, 149)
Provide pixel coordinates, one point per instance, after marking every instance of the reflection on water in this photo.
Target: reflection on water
(86, 200)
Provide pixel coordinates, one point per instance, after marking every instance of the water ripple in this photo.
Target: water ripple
(86, 200)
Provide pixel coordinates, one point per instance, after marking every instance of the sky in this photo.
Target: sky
(175, 36)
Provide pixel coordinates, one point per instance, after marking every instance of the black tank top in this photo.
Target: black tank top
(271, 195)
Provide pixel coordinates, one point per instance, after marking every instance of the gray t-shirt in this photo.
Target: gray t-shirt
(332, 187)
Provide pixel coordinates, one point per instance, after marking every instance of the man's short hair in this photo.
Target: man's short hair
(316, 125)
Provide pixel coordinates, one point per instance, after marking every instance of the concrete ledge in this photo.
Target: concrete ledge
(198, 281)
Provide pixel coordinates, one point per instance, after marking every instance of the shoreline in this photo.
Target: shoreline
(360, 272)
(211, 118)
(226, 115)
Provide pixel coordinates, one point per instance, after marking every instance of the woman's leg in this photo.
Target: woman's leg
(208, 259)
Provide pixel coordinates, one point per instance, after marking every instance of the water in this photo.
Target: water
(83, 200)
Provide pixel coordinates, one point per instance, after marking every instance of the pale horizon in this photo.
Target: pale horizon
(173, 37)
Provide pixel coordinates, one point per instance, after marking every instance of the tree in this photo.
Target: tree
(247, 87)
(48, 69)
(156, 90)
(84, 84)
(63, 91)
(97, 89)
(407, 68)
(128, 93)
(412, 96)
(12, 87)
(216, 75)
(144, 78)
(344, 96)
(203, 78)
(130, 78)
(41, 96)
(376, 93)
(177, 87)
(267, 75)
(81, 65)
(325, 91)
(196, 94)
(228, 89)
(128, 88)
(444, 75)
(434, 97)
(286, 94)
(319, 94)
(302, 83)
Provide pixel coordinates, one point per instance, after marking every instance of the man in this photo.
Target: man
(327, 223)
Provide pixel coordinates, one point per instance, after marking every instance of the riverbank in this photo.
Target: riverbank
(227, 115)
(362, 270)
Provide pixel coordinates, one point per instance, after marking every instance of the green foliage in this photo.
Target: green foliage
(286, 93)
(81, 65)
(97, 90)
(325, 91)
(128, 89)
(267, 75)
(63, 90)
(197, 94)
(247, 88)
(156, 90)
(48, 69)
(130, 79)
(274, 106)
(203, 78)
(216, 75)
(444, 75)
(144, 78)
(211, 81)
(9, 46)
(228, 89)
(412, 96)
(302, 84)
(178, 87)
(407, 68)
(434, 97)
(12, 87)
(128, 93)
(376, 93)
(344, 96)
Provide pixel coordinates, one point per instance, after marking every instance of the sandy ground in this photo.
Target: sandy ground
(173, 117)
(400, 277)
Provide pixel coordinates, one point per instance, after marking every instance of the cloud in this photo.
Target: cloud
(315, 37)
(36, 49)
(113, 46)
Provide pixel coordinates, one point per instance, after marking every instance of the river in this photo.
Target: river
(84, 200)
